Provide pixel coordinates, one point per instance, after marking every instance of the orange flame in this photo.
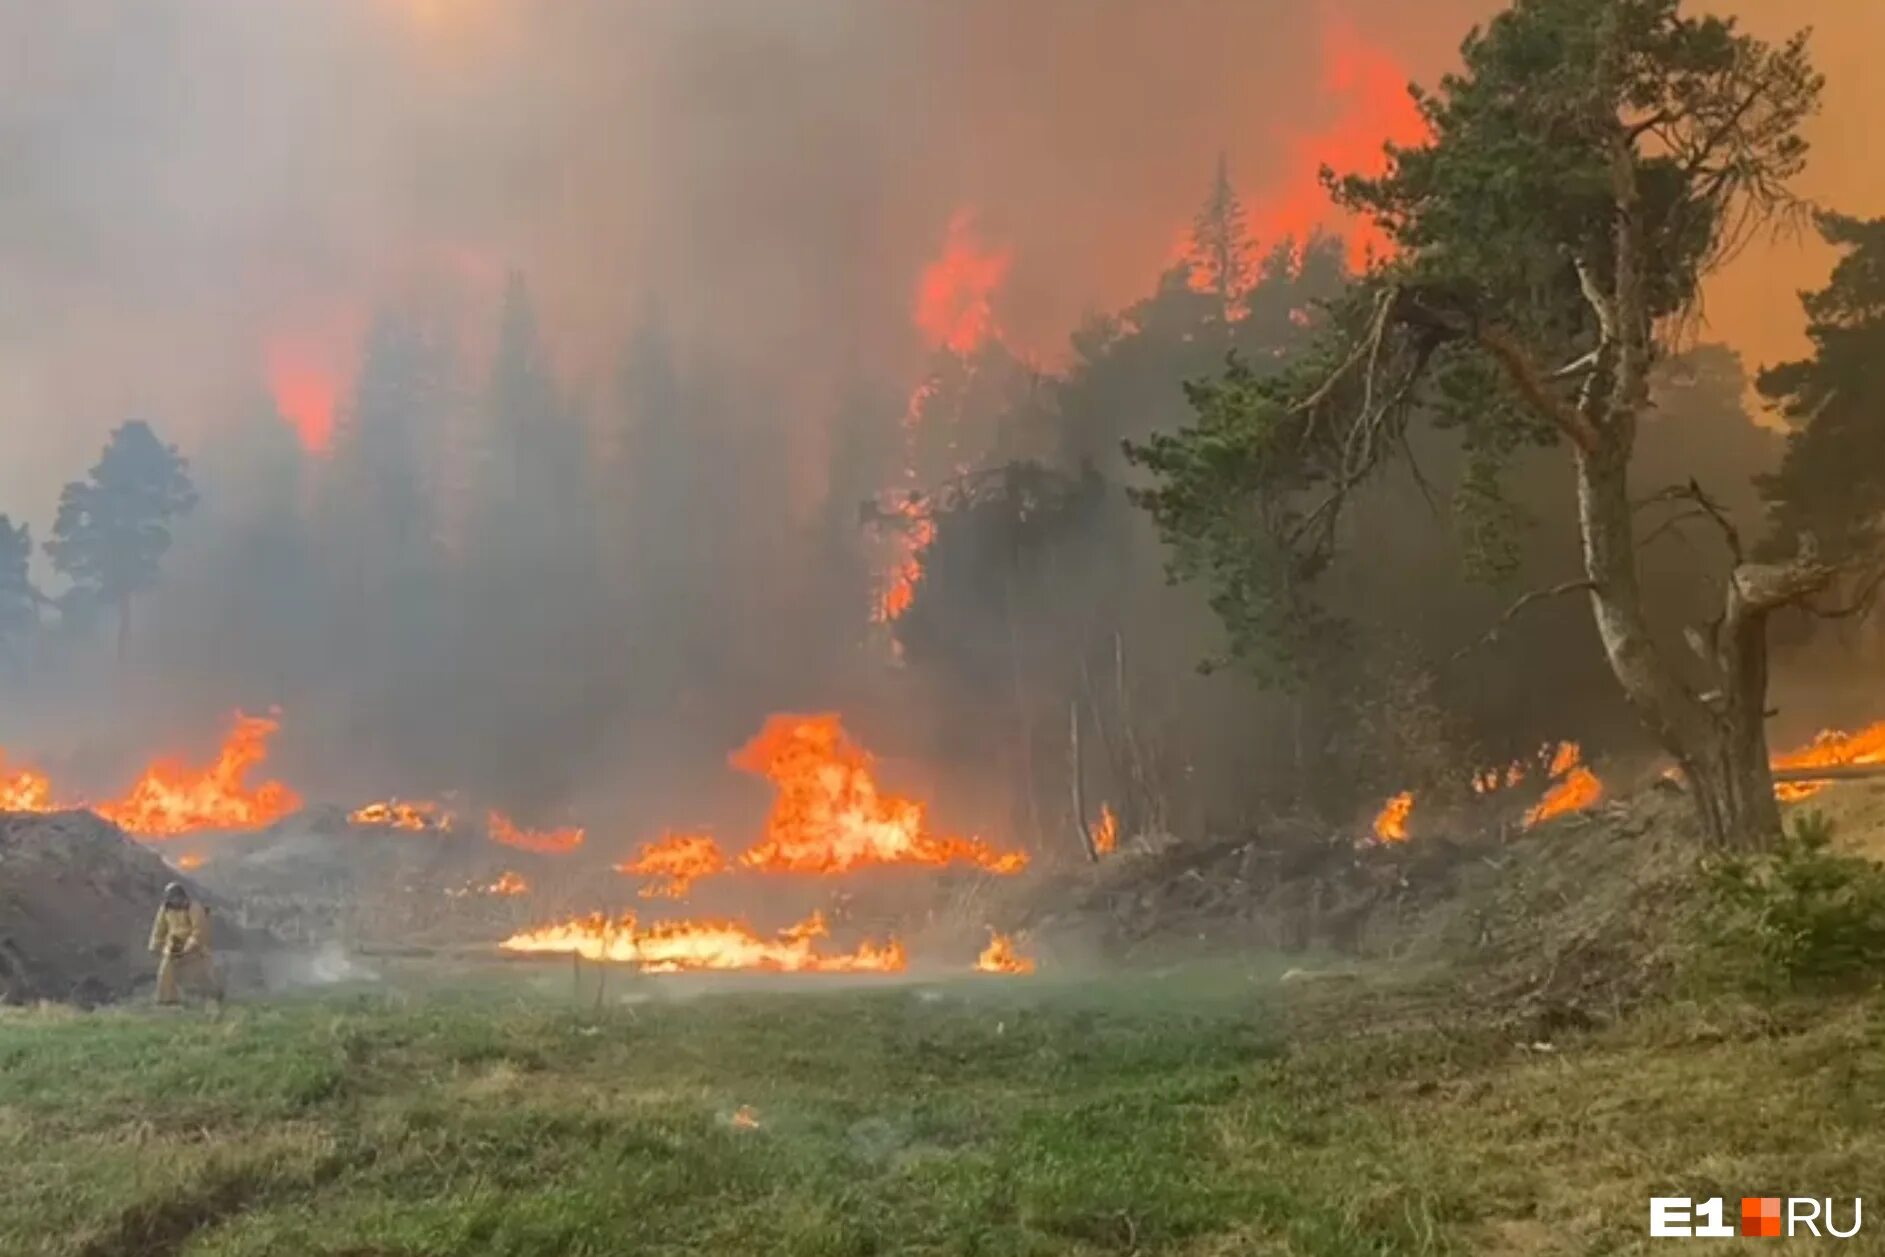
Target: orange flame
(911, 539)
(682, 859)
(1830, 749)
(305, 391)
(676, 946)
(828, 815)
(193, 860)
(1390, 823)
(24, 790)
(172, 798)
(955, 293)
(508, 883)
(744, 1118)
(1000, 956)
(1369, 90)
(542, 841)
(1574, 787)
(416, 815)
(1106, 832)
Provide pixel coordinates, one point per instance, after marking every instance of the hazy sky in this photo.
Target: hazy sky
(198, 197)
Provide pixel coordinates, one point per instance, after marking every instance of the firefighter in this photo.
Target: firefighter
(180, 940)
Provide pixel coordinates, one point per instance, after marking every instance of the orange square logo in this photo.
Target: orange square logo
(1760, 1216)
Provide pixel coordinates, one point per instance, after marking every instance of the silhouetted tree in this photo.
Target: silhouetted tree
(113, 528)
(19, 601)
(1831, 483)
(1220, 255)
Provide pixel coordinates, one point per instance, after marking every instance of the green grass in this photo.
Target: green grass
(1208, 1112)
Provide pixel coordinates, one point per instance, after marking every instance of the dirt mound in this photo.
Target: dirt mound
(1571, 921)
(76, 902)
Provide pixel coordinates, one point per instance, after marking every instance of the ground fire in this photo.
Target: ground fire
(415, 816)
(1106, 831)
(561, 841)
(24, 790)
(1572, 788)
(679, 946)
(1831, 749)
(172, 798)
(677, 861)
(1001, 956)
(828, 815)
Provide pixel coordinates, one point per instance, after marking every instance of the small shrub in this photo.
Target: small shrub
(1802, 914)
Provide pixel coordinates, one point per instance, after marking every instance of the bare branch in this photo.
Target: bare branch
(1536, 595)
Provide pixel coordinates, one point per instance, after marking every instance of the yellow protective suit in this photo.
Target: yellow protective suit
(180, 937)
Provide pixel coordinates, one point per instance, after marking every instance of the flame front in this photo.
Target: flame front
(828, 815)
(678, 946)
(679, 860)
(1390, 823)
(1830, 749)
(1106, 831)
(24, 790)
(1001, 956)
(1573, 789)
(173, 798)
(542, 841)
(415, 815)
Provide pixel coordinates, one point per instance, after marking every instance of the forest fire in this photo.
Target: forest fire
(502, 829)
(682, 946)
(828, 815)
(1574, 787)
(415, 816)
(954, 307)
(1106, 831)
(678, 860)
(1830, 749)
(1001, 956)
(172, 798)
(912, 534)
(1390, 823)
(24, 790)
(1372, 104)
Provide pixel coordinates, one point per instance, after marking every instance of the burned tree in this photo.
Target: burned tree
(1589, 165)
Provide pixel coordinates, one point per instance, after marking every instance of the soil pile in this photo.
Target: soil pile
(76, 902)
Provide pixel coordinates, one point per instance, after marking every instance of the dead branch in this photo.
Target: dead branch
(1536, 595)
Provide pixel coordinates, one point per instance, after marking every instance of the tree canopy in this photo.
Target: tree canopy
(1587, 166)
(1831, 483)
(113, 528)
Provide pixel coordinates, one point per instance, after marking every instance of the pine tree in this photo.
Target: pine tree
(1221, 248)
(113, 528)
(19, 601)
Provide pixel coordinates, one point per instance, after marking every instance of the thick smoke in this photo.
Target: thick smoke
(205, 207)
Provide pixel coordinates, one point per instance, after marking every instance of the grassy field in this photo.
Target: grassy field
(1209, 1111)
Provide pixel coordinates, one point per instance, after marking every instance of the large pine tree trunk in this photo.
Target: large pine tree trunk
(1716, 734)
